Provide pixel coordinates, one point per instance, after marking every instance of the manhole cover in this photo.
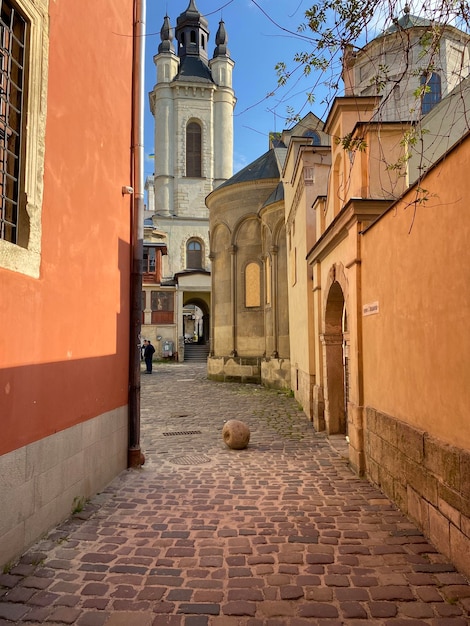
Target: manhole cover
(190, 459)
(182, 432)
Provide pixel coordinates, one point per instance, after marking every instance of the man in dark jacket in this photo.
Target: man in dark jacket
(148, 356)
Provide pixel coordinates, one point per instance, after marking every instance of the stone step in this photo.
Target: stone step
(196, 352)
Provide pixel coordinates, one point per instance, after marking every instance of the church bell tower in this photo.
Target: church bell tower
(192, 104)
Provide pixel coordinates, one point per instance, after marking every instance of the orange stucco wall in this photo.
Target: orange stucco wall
(416, 353)
(64, 343)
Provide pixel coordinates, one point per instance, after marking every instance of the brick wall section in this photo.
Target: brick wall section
(428, 479)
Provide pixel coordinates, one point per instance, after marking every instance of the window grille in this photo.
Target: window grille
(13, 34)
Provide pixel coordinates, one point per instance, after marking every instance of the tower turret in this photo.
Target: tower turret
(192, 33)
(221, 66)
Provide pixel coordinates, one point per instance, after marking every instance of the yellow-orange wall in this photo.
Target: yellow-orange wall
(64, 338)
(416, 261)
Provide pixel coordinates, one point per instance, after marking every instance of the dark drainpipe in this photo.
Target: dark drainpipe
(135, 456)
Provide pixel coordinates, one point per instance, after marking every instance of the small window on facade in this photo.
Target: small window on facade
(432, 93)
(314, 136)
(13, 31)
(193, 150)
(309, 174)
(149, 265)
(193, 254)
(193, 36)
(252, 285)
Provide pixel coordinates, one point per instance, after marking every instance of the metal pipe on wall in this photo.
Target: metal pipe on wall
(135, 456)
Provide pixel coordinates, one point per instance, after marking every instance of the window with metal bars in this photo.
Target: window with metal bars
(13, 35)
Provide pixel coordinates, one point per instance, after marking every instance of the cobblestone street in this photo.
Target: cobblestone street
(279, 534)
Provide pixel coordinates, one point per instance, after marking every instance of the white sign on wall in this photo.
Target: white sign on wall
(370, 309)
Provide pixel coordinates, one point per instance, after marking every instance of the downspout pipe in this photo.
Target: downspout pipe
(135, 457)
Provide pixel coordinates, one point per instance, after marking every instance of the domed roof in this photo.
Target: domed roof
(265, 167)
(406, 21)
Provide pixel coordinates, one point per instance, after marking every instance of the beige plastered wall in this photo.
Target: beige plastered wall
(416, 357)
(301, 225)
(47, 479)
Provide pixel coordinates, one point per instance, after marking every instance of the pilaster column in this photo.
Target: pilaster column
(275, 301)
(233, 285)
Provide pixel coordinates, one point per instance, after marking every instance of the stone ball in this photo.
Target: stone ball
(236, 434)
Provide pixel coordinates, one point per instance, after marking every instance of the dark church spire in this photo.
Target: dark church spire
(192, 33)
(166, 36)
(221, 41)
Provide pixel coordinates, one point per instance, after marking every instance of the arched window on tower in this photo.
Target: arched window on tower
(193, 150)
(193, 254)
(432, 94)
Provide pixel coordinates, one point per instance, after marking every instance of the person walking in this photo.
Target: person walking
(148, 355)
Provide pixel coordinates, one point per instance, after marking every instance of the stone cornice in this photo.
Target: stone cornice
(355, 211)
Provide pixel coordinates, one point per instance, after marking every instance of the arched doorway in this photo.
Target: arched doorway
(196, 326)
(336, 361)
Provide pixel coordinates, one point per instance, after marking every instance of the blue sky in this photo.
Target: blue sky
(257, 40)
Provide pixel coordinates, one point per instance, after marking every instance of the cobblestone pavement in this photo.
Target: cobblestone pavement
(279, 534)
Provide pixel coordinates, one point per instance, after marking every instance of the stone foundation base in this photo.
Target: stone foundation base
(274, 373)
(428, 479)
(42, 482)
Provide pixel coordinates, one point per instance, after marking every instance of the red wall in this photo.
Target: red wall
(64, 338)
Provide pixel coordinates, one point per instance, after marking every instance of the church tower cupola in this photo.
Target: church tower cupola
(166, 36)
(192, 34)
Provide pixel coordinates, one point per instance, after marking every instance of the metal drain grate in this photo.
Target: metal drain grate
(182, 432)
(190, 459)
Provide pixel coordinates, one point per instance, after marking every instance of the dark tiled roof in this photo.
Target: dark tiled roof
(192, 68)
(264, 167)
(276, 196)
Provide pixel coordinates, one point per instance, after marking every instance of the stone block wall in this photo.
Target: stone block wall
(273, 373)
(302, 384)
(428, 479)
(234, 369)
(43, 481)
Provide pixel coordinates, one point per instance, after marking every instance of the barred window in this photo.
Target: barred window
(13, 35)
(24, 68)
